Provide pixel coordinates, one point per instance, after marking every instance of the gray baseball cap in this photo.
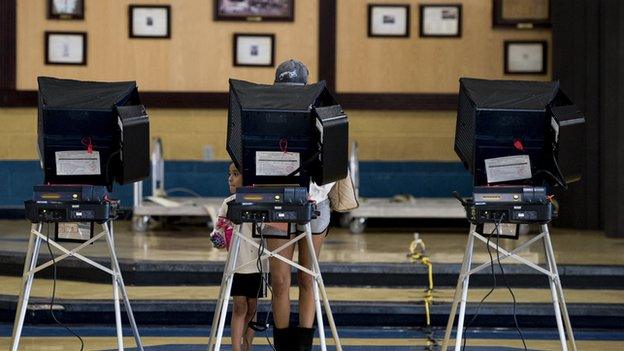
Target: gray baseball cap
(291, 72)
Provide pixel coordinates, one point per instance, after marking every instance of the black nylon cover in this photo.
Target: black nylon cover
(509, 94)
(284, 97)
(68, 93)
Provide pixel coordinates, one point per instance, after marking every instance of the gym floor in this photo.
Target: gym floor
(180, 248)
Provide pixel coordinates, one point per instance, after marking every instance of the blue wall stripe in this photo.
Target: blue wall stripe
(377, 179)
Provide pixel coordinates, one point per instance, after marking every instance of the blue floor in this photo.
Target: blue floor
(345, 332)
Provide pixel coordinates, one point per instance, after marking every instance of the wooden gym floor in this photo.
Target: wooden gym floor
(375, 245)
(191, 244)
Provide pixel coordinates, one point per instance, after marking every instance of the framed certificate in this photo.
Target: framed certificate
(526, 57)
(522, 14)
(440, 20)
(149, 21)
(253, 10)
(66, 9)
(254, 50)
(66, 48)
(388, 20)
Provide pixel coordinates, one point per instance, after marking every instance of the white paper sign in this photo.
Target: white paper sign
(441, 20)
(74, 231)
(150, 21)
(254, 50)
(276, 163)
(503, 169)
(389, 20)
(66, 48)
(525, 57)
(77, 162)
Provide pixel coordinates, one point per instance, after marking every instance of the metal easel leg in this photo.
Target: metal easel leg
(119, 286)
(32, 254)
(118, 323)
(319, 286)
(555, 300)
(225, 298)
(217, 312)
(557, 292)
(462, 281)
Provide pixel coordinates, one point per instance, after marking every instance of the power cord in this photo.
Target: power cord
(513, 296)
(265, 283)
(54, 290)
(487, 245)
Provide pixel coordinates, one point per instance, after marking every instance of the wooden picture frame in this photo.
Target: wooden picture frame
(60, 49)
(244, 50)
(147, 13)
(388, 24)
(519, 18)
(56, 12)
(440, 29)
(222, 13)
(538, 64)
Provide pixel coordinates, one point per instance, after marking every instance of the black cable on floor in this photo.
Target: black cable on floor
(54, 291)
(513, 296)
(487, 246)
(265, 283)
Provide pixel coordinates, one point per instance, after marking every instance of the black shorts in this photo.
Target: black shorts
(249, 285)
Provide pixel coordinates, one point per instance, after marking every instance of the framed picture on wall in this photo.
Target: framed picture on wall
(254, 50)
(526, 57)
(523, 14)
(254, 10)
(66, 48)
(149, 21)
(66, 9)
(386, 20)
(438, 20)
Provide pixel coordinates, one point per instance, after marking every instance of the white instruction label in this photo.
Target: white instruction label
(77, 162)
(503, 169)
(74, 231)
(276, 163)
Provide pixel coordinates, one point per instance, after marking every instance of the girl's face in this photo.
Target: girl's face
(235, 179)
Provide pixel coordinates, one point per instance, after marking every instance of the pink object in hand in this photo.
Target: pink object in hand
(226, 227)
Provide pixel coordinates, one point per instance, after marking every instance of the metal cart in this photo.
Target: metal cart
(161, 205)
(395, 207)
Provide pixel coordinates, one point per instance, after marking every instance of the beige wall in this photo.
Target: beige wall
(422, 65)
(382, 135)
(198, 57)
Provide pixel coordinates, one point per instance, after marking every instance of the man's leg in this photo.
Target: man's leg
(280, 283)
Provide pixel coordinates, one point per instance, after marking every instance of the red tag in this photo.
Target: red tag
(518, 145)
(87, 142)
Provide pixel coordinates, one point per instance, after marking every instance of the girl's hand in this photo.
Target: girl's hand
(218, 240)
(226, 227)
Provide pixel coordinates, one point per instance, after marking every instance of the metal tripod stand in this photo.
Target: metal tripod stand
(30, 268)
(231, 267)
(461, 291)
